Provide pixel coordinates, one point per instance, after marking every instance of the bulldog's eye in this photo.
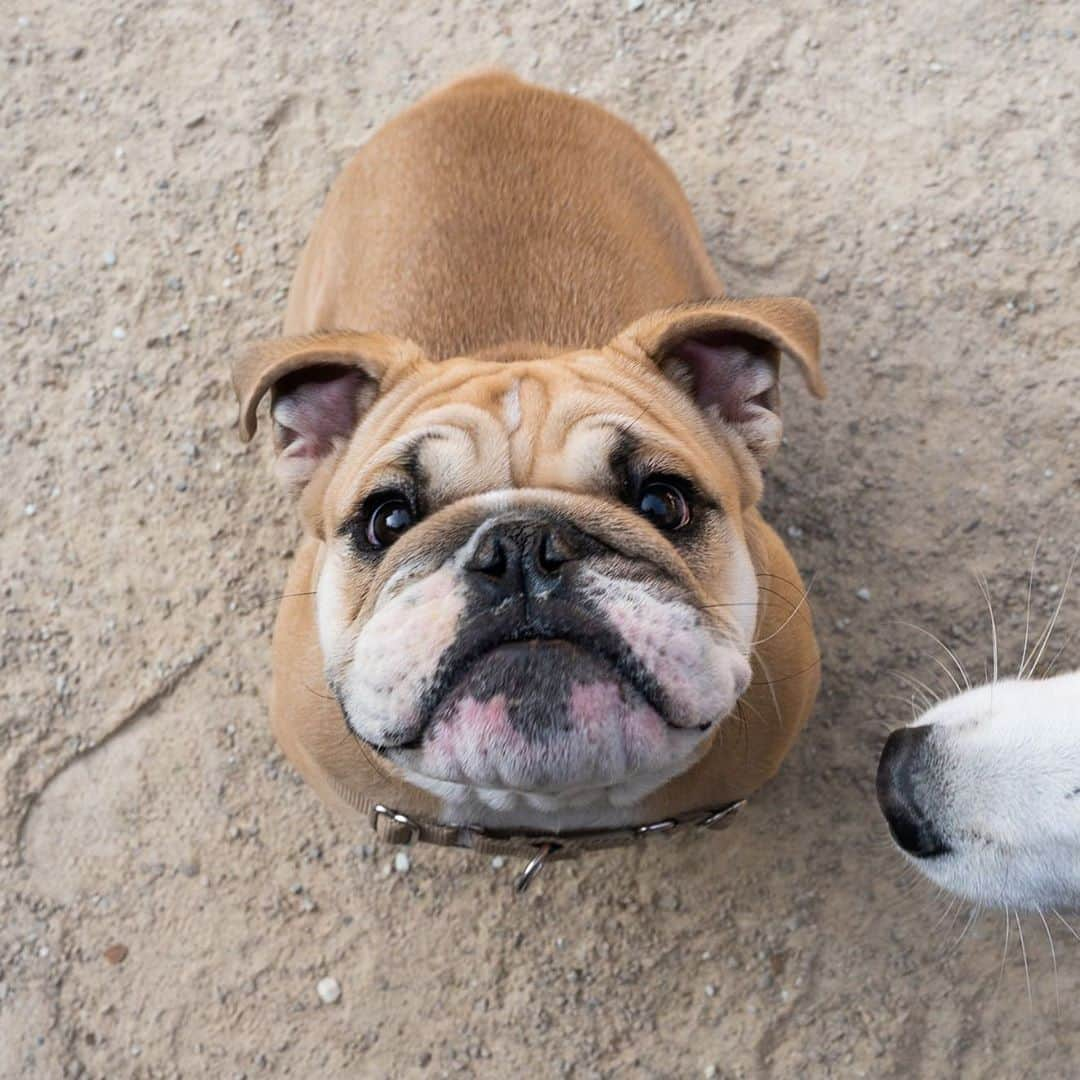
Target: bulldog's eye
(664, 503)
(389, 517)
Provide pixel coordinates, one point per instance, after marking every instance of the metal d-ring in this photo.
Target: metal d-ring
(535, 865)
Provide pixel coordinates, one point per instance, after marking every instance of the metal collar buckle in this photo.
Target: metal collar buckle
(413, 834)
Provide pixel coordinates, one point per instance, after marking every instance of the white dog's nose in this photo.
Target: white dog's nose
(901, 792)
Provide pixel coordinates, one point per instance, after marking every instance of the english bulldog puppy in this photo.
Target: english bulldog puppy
(526, 431)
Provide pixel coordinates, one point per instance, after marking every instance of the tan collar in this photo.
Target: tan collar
(539, 848)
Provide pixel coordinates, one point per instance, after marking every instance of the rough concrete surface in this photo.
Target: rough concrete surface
(172, 895)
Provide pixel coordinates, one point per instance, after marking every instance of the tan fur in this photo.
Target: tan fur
(490, 216)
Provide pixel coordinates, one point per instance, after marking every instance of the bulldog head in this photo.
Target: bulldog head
(535, 581)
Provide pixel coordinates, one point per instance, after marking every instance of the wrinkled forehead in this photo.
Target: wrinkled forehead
(562, 423)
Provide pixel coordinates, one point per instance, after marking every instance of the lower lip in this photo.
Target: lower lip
(536, 647)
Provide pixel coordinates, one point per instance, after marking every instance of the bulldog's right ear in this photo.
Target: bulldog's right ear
(320, 387)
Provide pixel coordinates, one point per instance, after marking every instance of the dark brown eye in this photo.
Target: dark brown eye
(389, 518)
(664, 504)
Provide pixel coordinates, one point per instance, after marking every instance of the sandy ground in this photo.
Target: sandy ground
(913, 172)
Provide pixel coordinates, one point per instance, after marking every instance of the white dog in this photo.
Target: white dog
(983, 793)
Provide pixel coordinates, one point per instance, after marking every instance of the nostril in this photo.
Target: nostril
(552, 552)
(901, 794)
(489, 557)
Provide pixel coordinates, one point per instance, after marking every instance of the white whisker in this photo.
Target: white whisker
(1005, 951)
(1023, 953)
(929, 696)
(1027, 616)
(945, 914)
(1048, 632)
(993, 622)
(1068, 926)
(944, 667)
(1053, 959)
(967, 926)
(952, 655)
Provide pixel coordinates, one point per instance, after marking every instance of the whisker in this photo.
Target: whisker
(945, 667)
(927, 693)
(967, 926)
(786, 678)
(1005, 951)
(1068, 926)
(1027, 615)
(1053, 959)
(993, 622)
(1023, 952)
(745, 732)
(1048, 632)
(953, 903)
(952, 656)
(1048, 671)
(778, 577)
(316, 693)
(779, 595)
(731, 603)
(769, 684)
(794, 612)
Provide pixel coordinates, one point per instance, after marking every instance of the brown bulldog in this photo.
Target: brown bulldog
(534, 595)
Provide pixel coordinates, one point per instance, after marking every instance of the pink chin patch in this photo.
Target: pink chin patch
(603, 733)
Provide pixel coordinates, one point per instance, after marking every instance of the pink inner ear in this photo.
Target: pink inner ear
(313, 413)
(732, 374)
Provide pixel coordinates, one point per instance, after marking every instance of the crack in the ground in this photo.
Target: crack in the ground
(147, 705)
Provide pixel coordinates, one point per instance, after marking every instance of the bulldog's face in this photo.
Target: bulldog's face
(535, 587)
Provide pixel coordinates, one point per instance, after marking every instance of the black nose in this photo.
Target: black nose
(529, 557)
(901, 792)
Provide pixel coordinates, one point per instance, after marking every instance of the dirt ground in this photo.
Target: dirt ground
(172, 894)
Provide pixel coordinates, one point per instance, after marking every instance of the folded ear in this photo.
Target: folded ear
(725, 354)
(320, 388)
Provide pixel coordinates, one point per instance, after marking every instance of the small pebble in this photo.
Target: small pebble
(329, 991)
(119, 333)
(634, 5)
(863, 593)
(710, 990)
(794, 532)
(498, 862)
(116, 954)
(109, 258)
(710, 1072)
(30, 509)
(402, 862)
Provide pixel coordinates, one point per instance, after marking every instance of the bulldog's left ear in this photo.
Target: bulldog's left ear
(726, 355)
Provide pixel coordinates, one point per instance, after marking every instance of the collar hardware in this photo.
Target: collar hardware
(394, 827)
(722, 818)
(535, 865)
(656, 827)
(397, 828)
